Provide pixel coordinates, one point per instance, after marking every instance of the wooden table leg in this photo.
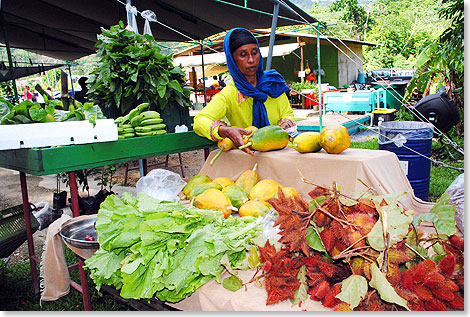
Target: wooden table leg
(29, 232)
(76, 212)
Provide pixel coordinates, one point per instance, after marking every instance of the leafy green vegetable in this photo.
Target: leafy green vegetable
(353, 290)
(165, 249)
(442, 215)
(382, 285)
(132, 70)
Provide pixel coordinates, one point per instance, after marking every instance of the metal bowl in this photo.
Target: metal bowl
(74, 230)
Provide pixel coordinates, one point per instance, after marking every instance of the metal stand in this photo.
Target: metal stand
(83, 287)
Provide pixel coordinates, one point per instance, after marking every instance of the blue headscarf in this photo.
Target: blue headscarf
(270, 83)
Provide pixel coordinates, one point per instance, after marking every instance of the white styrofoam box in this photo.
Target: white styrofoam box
(56, 133)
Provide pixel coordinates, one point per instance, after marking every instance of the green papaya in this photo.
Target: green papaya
(194, 181)
(236, 195)
(268, 138)
(199, 189)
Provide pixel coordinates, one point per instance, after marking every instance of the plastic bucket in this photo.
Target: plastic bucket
(416, 136)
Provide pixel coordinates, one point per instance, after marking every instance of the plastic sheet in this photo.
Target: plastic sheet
(401, 131)
(45, 215)
(161, 184)
(456, 191)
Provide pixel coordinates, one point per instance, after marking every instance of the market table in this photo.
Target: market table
(378, 169)
(70, 158)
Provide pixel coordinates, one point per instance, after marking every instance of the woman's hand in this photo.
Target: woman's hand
(236, 135)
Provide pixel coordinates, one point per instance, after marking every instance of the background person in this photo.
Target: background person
(254, 97)
(81, 95)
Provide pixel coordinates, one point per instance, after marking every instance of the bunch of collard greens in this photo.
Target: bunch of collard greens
(164, 249)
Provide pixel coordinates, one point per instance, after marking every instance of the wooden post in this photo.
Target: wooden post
(64, 89)
(43, 92)
(301, 59)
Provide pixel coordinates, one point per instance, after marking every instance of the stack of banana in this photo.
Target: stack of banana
(140, 123)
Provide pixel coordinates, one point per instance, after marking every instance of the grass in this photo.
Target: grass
(17, 294)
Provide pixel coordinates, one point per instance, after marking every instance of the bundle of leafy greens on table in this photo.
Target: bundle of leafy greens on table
(52, 111)
(164, 249)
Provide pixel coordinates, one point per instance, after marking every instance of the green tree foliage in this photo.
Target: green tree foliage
(354, 13)
(402, 29)
(441, 63)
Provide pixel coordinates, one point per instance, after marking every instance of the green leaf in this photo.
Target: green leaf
(314, 240)
(442, 215)
(314, 203)
(301, 294)
(253, 257)
(37, 114)
(382, 285)
(353, 290)
(232, 283)
(395, 220)
(175, 85)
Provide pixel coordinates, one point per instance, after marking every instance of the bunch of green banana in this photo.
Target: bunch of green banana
(125, 129)
(148, 123)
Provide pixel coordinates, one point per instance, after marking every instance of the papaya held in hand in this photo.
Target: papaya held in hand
(224, 145)
(267, 138)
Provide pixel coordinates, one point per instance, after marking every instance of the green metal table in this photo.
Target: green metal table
(70, 158)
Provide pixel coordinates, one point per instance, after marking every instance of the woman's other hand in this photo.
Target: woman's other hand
(236, 135)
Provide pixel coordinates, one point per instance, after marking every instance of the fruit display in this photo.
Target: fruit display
(247, 195)
(140, 123)
(334, 139)
(267, 138)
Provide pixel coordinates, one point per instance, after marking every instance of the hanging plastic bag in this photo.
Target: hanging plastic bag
(149, 16)
(45, 215)
(131, 20)
(161, 184)
(456, 191)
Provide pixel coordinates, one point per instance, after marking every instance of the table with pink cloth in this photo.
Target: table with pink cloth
(378, 169)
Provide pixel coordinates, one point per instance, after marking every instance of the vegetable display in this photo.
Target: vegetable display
(164, 249)
(32, 112)
(131, 70)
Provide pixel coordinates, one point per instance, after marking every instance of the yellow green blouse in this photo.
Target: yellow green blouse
(232, 107)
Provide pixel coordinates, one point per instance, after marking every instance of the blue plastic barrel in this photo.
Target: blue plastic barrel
(416, 136)
(361, 78)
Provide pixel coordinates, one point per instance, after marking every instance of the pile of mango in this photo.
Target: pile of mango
(246, 195)
(140, 123)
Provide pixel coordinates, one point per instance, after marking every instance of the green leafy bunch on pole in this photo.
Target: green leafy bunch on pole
(131, 70)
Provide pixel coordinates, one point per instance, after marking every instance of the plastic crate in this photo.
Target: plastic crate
(13, 229)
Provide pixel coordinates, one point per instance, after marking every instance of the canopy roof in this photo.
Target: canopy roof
(67, 29)
(219, 58)
(7, 74)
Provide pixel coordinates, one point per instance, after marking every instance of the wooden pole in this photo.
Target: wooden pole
(301, 59)
(64, 87)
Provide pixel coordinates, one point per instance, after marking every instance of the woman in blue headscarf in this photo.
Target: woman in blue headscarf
(254, 98)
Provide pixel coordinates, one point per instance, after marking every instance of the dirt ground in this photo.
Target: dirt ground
(41, 188)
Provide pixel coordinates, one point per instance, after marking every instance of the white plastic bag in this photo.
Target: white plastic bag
(456, 191)
(181, 128)
(44, 215)
(161, 184)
